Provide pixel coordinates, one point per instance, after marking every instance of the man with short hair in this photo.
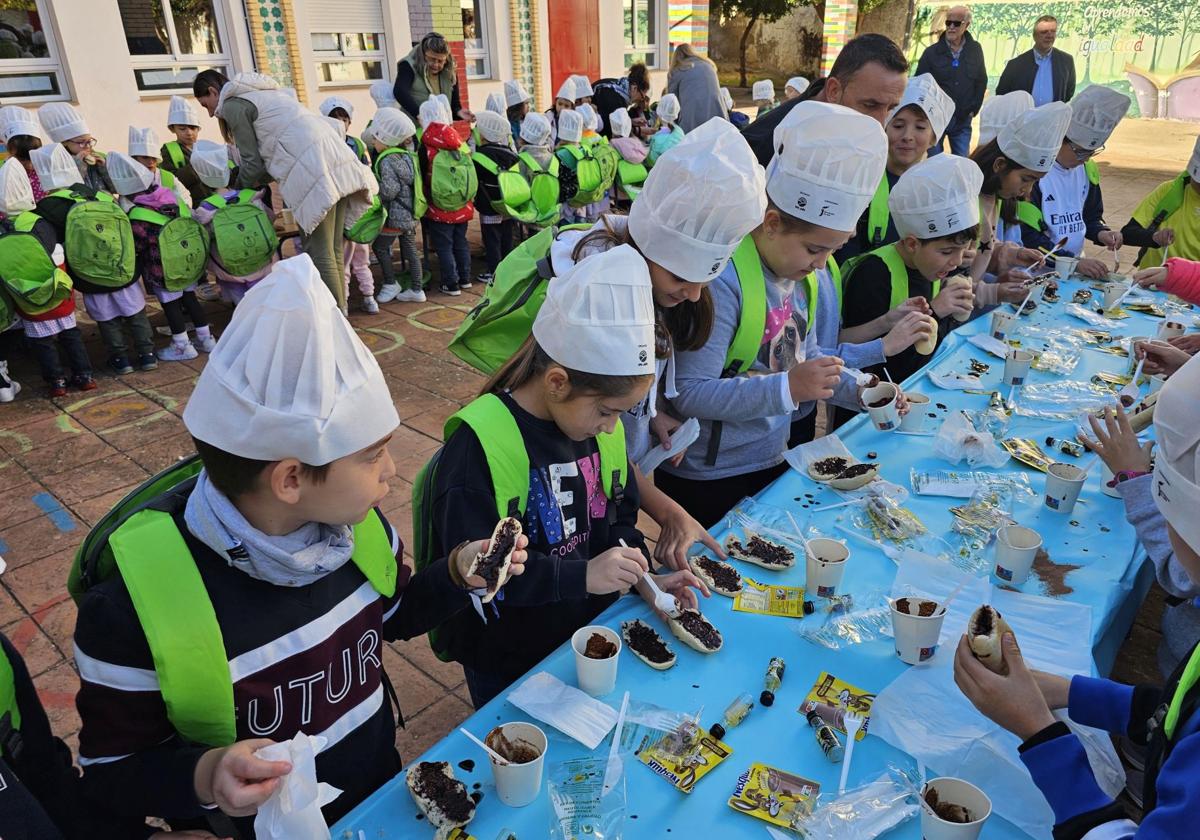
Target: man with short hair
(956, 63)
(1045, 72)
(868, 76)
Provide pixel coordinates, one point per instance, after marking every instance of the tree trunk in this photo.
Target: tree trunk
(1183, 33)
(742, 45)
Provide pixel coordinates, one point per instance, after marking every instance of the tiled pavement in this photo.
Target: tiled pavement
(64, 462)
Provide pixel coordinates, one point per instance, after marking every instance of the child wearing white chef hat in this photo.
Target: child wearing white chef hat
(1067, 201)
(183, 121)
(1164, 719)
(144, 148)
(555, 410)
(282, 534)
(763, 94)
(763, 359)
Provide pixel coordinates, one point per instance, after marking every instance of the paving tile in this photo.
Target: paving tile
(117, 411)
(93, 510)
(10, 608)
(74, 451)
(174, 395)
(160, 424)
(58, 622)
(56, 689)
(164, 374)
(44, 432)
(35, 647)
(415, 689)
(17, 503)
(430, 726)
(94, 479)
(42, 583)
(39, 538)
(162, 452)
(431, 422)
(30, 406)
(418, 652)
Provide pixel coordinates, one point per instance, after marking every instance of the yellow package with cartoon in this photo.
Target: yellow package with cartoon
(774, 796)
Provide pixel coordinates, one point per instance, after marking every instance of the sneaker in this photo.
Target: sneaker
(119, 365)
(147, 361)
(83, 382)
(388, 292)
(205, 344)
(208, 292)
(453, 291)
(58, 388)
(370, 306)
(411, 296)
(9, 392)
(465, 284)
(486, 279)
(177, 352)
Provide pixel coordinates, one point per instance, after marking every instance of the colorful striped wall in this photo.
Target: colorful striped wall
(687, 22)
(841, 16)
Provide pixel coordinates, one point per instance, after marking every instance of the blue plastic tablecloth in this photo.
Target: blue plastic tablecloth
(1113, 579)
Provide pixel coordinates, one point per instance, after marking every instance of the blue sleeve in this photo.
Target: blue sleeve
(1101, 704)
(1059, 767)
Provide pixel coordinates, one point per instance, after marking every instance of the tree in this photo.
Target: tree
(1185, 23)
(768, 11)
(1159, 18)
(1085, 23)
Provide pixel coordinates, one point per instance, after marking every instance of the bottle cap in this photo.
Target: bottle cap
(766, 698)
(717, 731)
(809, 608)
(813, 714)
(1049, 440)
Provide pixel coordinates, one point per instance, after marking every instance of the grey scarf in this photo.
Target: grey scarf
(296, 559)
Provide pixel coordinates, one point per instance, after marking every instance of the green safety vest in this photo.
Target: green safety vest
(878, 213)
(1171, 201)
(10, 712)
(175, 154)
(896, 268)
(1181, 699)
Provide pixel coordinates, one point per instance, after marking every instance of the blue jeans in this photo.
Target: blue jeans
(483, 686)
(959, 137)
(454, 257)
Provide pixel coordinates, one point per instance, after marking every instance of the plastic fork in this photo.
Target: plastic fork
(853, 722)
(663, 602)
(1132, 390)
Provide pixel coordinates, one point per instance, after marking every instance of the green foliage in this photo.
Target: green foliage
(767, 11)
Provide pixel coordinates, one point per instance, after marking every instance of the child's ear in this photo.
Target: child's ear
(285, 480)
(558, 383)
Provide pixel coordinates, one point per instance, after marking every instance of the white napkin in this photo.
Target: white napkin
(293, 811)
(683, 437)
(955, 381)
(566, 708)
(990, 344)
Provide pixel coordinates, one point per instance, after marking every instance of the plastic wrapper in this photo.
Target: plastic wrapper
(773, 523)
(831, 446)
(582, 806)
(994, 419)
(868, 619)
(962, 484)
(1054, 350)
(989, 509)
(865, 812)
(958, 440)
(1028, 452)
(888, 520)
(1090, 316)
(1062, 400)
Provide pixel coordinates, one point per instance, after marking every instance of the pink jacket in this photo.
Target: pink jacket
(1183, 279)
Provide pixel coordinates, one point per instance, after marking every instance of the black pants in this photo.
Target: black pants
(174, 310)
(46, 353)
(497, 242)
(709, 501)
(454, 256)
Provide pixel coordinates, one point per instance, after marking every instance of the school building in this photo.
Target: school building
(121, 60)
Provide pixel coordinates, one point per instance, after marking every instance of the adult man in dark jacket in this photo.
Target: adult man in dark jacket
(1047, 73)
(956, 64)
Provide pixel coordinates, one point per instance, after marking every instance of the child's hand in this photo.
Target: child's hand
(682, 585)
(1162, 357)
(679, 531)
(957, 299)
(1117, 443)
(1164, 237)
(1111, 239)
(912, 328)
(1149, 278)
(815, 379)
(913, 304)
(1014, 700)
(236, 780)
(466, 556)
(1091, 268)
(1189, 344)
(662, 426)
(615, 570)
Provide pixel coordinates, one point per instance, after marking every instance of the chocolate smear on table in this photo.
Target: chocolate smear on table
(948, 811)
(1053, 575)
(643, 638)
(467, 764)
(599, 647)
(698, 626)
(450, 795)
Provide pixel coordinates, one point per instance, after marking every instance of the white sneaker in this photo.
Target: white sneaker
(411, 296)
(177, 352)
(388, 292)
(9, 394)
(370, 306)
(205, 344)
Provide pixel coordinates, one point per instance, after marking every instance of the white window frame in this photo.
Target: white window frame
(347, 53)
(657, 10)
(51, 65)
(483, 29)
(176, 61)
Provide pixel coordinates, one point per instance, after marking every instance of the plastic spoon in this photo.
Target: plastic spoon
(496, 757)
(853, 722)
(1058, 246)
(1132, 389)
(807, 551)
(663, 602)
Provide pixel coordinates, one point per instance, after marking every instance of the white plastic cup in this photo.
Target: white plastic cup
(1156, 382)
(957, 792)
(1064, 267)
(596, 676)
(1106, 475)
(1016, 549)
(518, 785)
(1170, 329)
(885, 417)
(1112, 293)
(825, 565)
(916, 635)
(1063, 483)
(918, 413)
(1016, 367)
(1003, 323)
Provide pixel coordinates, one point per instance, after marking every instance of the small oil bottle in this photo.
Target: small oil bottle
(772, 680)
(1067, 447)
(735, 713)
(827, 738)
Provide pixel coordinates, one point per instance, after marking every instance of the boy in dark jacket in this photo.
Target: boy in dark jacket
(497, 227)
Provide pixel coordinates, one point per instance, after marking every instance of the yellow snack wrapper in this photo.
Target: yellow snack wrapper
(1027, 451)
(684, 769)
(831, 698)
(774, 796)
(765, 599)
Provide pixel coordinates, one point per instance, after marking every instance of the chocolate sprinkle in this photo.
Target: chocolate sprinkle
(831, 466)
(770, 553)
(723, 575)
(488, 565)
(698, 626)
(643, 639)
(448, 794)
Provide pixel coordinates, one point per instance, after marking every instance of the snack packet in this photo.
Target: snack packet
(831, 698)
(580, 806)
(765, 599)
(774, 796)
(685, 757)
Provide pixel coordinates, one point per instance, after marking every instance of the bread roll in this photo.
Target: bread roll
(953, 282)
(925, 346)
(985, 635)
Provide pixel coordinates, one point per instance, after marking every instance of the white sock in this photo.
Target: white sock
(180, 338)
(203, 332)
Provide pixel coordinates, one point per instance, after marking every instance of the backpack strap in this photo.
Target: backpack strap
(25, 222)
(1093, 172)
(166, 179)
(1030, 215)
(145, 214)
(748, 336)
(374, 556)
(217, 201)
(10, 712)
(878, 214)
(899, 275)
(175, 154)
(503, 448)
(614, 462)
(486, 162)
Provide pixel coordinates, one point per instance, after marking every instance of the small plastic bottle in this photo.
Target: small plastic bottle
(735, 713)
(1067, 447)
(772, 680)
(827, 738)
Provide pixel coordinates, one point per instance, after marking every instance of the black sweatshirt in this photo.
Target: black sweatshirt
(305, 658)
(489, 184)
(54, 210)
(567, 524)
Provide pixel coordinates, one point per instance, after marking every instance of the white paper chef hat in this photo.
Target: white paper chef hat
(495, 103)
(515, 93)
(16, 193)
(937, 197)
(1177, 467)
(999, 111)
(329, 103)
(16, 121)
(1194, 164)
(56, 169)
(827, 165)
(127, 175)
(620, 123)
(924, 92)
(567, 91)
(182, 112)
(289, 377)
(726, 97)
(536, 129)
(1033, 139)
(598, 316)
(570, 126)
(668, 108)
(797, 83)
(583, 87)
(62, 121)
(701, 199)
(764, 89)
(143, 142)
(1095, 112)
(391, 126)
(493, 127)
(211, 162)
(591, 119)
(382, 93)
(431, 112)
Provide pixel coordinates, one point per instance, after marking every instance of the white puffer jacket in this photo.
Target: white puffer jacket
(303, 153)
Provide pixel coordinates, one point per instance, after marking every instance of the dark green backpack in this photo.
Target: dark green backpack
(98, 240)
(243, 236)
(183, 245)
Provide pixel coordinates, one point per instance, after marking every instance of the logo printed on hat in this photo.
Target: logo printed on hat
(716, 267)
(642, 357)
(933, 227)
(829, 208)
(1042, 161)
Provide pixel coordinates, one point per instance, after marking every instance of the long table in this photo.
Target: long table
(1113, 578)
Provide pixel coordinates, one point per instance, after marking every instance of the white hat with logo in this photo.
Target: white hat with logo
(937, 197)
(1034, 139)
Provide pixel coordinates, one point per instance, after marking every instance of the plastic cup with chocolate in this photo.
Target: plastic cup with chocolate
(952, 809)
(596, 650)
(519, 782)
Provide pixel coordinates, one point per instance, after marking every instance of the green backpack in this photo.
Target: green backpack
(8, 309)
(497, 326)
(420, 203)
(544, 188)
(508, 463)
(183, 245)
(605, 155)
(98, 240)
(139, 540)
(244, 240)
(630, 177)
(452, 180)
(589, 174)
(367, 226)
(516, 196)
(35, 283)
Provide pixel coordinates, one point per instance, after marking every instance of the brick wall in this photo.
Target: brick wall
(420, 19)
